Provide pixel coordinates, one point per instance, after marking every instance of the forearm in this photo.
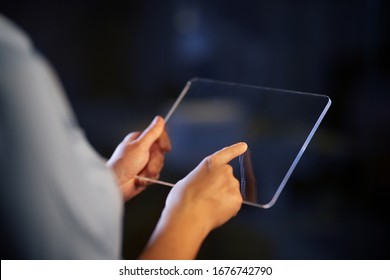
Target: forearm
(203, 200)
(176, 236)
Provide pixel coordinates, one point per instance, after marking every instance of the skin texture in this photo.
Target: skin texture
(205, 199)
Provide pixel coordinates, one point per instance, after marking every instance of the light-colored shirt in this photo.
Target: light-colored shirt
(58, 199)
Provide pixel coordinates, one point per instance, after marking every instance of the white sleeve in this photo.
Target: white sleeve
(58, 199)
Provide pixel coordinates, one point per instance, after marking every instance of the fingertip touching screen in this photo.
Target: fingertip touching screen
(276, 124)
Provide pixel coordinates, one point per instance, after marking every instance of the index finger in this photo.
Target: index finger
(225, 155)
(164, 142)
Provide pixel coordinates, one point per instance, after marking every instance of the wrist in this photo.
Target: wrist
(189, 218)
(178, 235)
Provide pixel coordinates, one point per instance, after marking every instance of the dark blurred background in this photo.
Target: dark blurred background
(121, 60)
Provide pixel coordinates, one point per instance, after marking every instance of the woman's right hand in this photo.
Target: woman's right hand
(205, 199)
(210, 194)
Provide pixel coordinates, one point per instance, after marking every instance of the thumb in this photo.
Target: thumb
(152, 132)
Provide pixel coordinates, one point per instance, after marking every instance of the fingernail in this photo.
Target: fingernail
(245, 145)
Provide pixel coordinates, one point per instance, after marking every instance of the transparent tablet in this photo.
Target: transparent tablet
(277, 125)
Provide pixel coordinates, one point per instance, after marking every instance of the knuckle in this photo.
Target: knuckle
(210, 161)
(136, 144)
(141, 143)
(155, 166)
(228, 169)
(235, 183)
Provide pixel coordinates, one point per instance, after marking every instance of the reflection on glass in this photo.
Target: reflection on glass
(277, 125)
(248, 178)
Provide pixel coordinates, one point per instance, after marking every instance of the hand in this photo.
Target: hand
(210, 193)
(205, 199)
(140, 154)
